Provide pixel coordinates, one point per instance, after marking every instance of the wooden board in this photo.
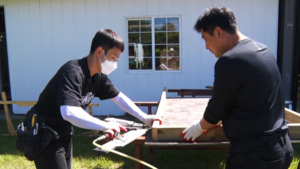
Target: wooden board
(179, 113)
(5, 102)
(159, 112)
(293, 119)
(292, 116)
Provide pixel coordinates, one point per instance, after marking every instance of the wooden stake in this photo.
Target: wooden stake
(159, 112)
(10, 126)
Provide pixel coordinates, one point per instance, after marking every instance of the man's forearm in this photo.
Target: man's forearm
(205, 125)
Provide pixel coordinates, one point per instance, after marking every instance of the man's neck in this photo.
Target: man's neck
(93, 64)
(230, 40)
(236, 38)
(241, 36)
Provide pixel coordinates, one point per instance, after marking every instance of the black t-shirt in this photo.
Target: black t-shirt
(72, 85)
(247, 96)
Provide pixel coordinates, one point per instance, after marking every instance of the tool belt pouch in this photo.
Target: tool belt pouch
(33, 140)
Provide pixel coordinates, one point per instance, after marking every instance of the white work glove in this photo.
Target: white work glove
(192, 132)
(112, 129)
(149, 119)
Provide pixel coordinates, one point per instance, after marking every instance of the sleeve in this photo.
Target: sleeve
(69, 89)
(224, 91)
(107, 90)
(78, 117)
(128, 106)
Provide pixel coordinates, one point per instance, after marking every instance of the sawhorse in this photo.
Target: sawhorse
(5, 102)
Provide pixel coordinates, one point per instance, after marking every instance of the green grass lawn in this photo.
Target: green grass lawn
(86, 158)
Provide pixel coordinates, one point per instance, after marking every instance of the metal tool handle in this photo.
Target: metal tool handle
(102, 137)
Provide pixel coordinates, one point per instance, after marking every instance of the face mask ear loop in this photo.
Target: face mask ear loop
(103, 56)
(99, 60)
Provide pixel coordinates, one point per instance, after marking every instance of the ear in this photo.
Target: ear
(218, 32)
(99, 50)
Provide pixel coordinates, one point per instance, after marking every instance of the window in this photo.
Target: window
(154, 44)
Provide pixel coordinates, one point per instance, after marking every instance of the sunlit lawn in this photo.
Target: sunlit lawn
(86, 158)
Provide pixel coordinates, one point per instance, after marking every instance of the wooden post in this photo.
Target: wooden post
(292, 116)
(149, 104)
(159, 112)
(90, 107)
(11, 129)
(138, 152)
(10, 126)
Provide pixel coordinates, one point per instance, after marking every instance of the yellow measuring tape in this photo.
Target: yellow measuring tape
(123, 155)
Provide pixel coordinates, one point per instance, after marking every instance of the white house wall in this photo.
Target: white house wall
(44, 34)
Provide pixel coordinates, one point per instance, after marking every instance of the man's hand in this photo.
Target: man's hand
(112, 129)
(192, 132)
(149, 119)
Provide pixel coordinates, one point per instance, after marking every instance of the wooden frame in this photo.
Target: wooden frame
(192, 92)
(10, 126)
(169, 131)
(172, 133)
(293, 119)
(5, 102)
(159, 112)
(147, 104)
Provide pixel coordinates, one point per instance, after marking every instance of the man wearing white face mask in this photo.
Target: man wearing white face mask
(63, 102)
(108, 66)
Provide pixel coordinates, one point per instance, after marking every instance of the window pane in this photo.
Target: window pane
(173, 57)
(133, 64)
(161, 63)
(133, 26)
(160, 24)
(133, 38)
(145, 25)
(147, 63)
(143, 63)
(173, 50)
(147, 50)
(160, 37)
(131, 51)
(146, 38)
(173, 63)
(160, 50)
(173, 37)
(166, 44)
(173, 24)
(140, 59)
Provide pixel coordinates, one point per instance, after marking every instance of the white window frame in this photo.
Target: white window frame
(153, 45)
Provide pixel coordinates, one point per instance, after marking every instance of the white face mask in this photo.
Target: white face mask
(108, 66)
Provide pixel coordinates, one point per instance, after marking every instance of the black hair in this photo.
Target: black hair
(216, 17)
(107, 39)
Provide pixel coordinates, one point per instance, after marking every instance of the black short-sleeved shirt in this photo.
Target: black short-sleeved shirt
(247, 95)
(72, 85)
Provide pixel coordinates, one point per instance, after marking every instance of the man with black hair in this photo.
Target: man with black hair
(247, 96)
(63, 102)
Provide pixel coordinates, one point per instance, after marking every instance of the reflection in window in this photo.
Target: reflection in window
(163, 41)
(140, 44)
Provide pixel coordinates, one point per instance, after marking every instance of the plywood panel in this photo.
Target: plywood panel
(173, 134)
(178, 114)
(292, 116)
(294, 130)
(293, 119)
(183, 111)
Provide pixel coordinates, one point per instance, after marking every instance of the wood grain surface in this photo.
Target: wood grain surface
(183, 111)
(178, 114)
